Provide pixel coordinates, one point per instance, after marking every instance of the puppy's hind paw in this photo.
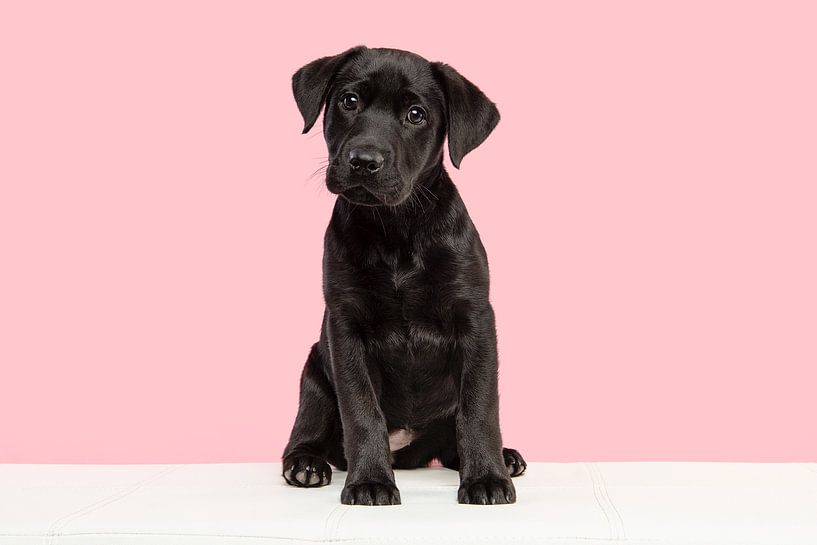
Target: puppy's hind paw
(514, 462)
(370, 493)
(307, 471)
(489, 490)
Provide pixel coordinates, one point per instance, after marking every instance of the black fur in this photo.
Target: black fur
(408, 337)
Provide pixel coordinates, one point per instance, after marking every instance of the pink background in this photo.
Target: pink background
(161, 236)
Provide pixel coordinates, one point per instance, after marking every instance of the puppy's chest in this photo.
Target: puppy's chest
(410, 305)
(407, 285)
(405, 282)
(413, 324)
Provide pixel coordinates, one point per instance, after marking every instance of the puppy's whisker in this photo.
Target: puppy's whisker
(349, 215)
(416, 198)
(427, 190)
(320, 170)
(375, 208)
(424, 196)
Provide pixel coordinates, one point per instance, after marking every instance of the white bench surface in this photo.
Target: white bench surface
(569, 503)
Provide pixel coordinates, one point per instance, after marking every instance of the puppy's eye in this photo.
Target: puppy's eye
(349, 101)
(416, 115)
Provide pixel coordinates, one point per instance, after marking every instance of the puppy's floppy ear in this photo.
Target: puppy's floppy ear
(311, 84)
(471, 116)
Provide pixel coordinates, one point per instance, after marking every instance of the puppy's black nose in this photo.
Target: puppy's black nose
(365, 160)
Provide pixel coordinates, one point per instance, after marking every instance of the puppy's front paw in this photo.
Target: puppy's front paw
(370, 493)
(488, 490)
(514, 462)
(307, 471)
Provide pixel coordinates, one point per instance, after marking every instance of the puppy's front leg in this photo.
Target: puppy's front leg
(484, 478)
(370, 480)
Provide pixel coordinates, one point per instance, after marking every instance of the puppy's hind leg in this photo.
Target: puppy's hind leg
(316, 435)
(513, 461)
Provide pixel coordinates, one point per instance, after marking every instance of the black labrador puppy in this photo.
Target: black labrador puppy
(405, 370)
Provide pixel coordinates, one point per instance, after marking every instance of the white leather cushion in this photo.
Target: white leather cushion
(231, 504)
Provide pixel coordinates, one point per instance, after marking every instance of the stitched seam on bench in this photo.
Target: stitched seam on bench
(619, 518)
(614, 522)
(598, 501)
(330, 527)
(336, 529)
(58, 525)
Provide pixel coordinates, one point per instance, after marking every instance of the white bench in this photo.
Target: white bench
(575, 503)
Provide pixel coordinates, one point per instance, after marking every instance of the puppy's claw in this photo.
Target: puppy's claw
(307, 471)
(370, 493)
(490, 490)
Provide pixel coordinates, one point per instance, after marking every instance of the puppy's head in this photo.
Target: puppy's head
(386, 116)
